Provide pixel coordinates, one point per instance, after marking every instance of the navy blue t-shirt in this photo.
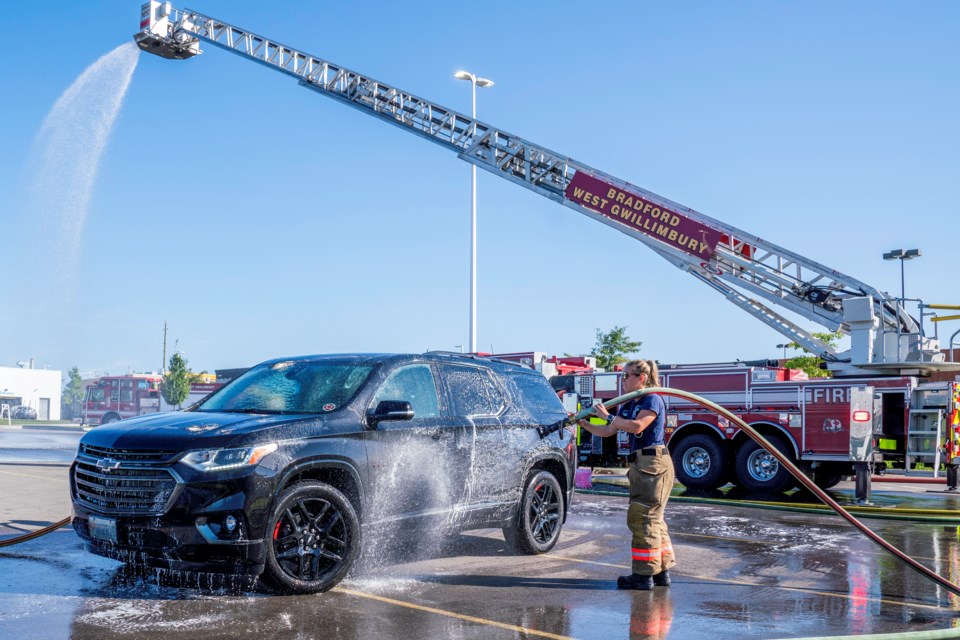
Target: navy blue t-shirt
(652, 435)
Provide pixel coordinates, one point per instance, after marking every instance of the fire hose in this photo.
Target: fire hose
(782, 459)
(34, 534)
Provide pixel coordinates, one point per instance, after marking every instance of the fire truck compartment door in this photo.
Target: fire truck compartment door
(861, 423)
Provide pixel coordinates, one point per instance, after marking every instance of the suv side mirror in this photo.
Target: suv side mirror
(390, 410)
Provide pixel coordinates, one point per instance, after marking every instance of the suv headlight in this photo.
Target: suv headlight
(221, 459)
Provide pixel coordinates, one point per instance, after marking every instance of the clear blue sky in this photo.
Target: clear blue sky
(259, 219)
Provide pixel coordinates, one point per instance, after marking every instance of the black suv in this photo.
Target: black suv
(281, 472)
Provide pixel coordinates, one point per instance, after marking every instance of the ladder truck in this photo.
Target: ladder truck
(748, 271)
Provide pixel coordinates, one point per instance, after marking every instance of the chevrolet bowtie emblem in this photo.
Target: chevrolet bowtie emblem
(108, 464)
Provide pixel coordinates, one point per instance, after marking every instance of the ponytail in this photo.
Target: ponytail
(647, 367)
(653, 378)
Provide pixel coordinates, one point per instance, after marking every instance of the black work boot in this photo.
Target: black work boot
(635, 581)
(662, 579)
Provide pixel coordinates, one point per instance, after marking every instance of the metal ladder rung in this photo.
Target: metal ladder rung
(919, 437)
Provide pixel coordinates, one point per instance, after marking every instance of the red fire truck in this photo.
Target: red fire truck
(806, 419)
(117, 397)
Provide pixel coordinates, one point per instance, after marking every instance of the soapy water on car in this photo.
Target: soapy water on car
(482, 454)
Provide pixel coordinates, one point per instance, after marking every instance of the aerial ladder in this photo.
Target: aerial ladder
(747, 270)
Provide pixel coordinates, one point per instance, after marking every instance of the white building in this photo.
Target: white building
(36, 388)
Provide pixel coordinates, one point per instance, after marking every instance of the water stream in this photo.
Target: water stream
(66, 156)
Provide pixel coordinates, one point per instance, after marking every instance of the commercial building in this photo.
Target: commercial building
(39, 389)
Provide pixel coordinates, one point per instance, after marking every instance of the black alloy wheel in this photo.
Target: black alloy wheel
(536, 527)
(314, 535)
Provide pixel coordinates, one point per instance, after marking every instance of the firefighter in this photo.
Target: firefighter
(650, 474)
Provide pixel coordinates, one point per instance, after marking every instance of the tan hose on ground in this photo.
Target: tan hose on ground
(35, 534)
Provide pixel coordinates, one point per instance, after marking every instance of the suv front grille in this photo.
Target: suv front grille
(120, 486)
(127, 455)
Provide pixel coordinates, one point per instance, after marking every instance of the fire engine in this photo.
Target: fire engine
(113, 398)
(889, 352)
(806, 419)
(116, 397)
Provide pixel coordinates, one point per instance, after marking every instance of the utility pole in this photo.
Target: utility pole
(163, 368)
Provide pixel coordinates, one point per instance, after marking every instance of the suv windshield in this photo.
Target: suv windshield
(291, 387)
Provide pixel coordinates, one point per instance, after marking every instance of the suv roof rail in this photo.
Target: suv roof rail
(451, 354)
(474, 356)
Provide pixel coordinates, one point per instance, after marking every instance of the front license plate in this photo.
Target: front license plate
(103, 529)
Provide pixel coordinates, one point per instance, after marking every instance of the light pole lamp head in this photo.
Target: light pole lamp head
(901, 254)
(480, 82)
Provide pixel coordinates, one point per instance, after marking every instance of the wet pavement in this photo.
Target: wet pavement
(39, 444)
(749, 573)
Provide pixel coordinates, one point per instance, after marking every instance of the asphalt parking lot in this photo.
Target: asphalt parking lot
(749, 573)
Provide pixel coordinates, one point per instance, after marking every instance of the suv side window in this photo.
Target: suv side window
(538, 397)
(472, 392)
(414, 384)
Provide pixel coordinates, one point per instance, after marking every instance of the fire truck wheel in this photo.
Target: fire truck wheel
(759, 471)
(536, 526)
(700, 462)
(826, 477)
(110, 417)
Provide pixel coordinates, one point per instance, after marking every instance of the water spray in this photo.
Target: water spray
(782, 459)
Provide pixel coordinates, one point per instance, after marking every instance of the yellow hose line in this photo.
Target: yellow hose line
(949, 514)
(34, 534)
(785, 506)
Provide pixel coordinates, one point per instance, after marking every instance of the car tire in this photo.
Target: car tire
(312, 539)
(539, 517)
(701, 463)
(759, 471)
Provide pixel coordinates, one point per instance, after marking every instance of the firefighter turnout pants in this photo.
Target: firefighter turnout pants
(651, 480)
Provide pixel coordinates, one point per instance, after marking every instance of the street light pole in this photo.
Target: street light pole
(901, 255)
(474, 82)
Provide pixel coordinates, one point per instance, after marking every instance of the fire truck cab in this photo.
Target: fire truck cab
(116, 397)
